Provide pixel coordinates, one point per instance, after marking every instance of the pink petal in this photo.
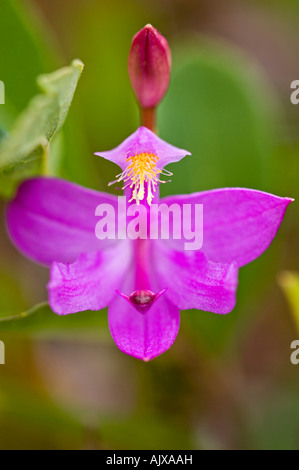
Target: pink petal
(90, 282)
(194, 282)
(144, 141)
(54, 220)
(144, 336)
(238, 223)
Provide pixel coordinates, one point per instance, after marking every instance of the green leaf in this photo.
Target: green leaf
(41, 319)
(25, 151)
(289, 282)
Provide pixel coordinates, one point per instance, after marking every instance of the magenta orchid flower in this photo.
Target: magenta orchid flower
(144, 282)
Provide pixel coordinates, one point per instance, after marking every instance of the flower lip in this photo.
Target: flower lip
(144, 141)
(142, 299)
(142, 158)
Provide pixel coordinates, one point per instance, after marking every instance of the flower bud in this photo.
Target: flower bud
(149, 66)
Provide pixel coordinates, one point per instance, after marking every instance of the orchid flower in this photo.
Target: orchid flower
(144, 282)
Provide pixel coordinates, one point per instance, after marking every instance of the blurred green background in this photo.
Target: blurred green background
(227, 382)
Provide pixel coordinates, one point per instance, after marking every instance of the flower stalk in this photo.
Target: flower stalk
(148, 118)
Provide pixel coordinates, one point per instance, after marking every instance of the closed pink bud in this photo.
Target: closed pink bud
(149, 66)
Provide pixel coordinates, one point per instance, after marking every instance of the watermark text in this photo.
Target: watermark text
(159, 221)
(2, 93)
(2, 353)
(295, 94)
(295, 354)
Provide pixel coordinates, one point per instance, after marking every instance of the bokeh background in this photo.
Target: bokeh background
(227, 382)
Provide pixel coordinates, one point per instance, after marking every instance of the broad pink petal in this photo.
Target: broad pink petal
(144, 336)
(54, 220)
(90, 282)
(144, 141)
(194, 282)
(238, 223)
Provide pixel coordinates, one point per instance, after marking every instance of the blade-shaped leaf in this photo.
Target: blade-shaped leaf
(26, 150)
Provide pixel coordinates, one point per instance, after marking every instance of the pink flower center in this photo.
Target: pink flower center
(142, 300)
